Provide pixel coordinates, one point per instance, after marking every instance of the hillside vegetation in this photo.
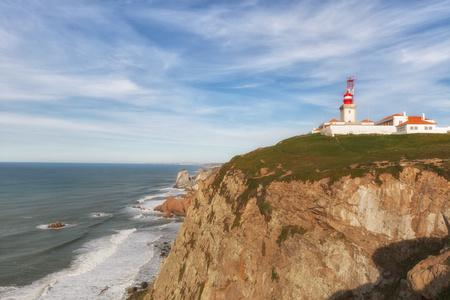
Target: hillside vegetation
(314, 157)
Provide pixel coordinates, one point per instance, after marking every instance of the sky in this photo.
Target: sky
(202, 81)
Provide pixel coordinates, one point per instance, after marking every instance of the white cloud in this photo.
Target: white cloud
(225, 77)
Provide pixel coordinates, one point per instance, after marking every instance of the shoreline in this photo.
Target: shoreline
(95, 247)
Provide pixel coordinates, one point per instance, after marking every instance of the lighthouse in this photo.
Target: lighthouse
(348, 109)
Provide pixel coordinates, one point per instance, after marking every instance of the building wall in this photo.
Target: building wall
(348, 113)
(357, 129)
(420, 128)
(442, 130)
(395, 120)
(384, 129)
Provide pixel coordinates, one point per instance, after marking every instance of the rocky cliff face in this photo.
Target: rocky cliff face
(355, 238)
(430, 276)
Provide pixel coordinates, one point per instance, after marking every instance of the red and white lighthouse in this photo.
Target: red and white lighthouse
(348, 98)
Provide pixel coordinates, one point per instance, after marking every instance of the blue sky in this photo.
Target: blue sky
(202, 81)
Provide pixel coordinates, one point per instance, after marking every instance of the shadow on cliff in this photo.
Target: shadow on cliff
(393, 262)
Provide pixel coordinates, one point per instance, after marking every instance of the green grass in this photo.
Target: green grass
(266, 210)
(314, 157)
(303, 155)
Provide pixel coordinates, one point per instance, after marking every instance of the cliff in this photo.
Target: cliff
(314, 218)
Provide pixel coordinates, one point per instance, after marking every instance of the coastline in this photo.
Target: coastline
(103, 234)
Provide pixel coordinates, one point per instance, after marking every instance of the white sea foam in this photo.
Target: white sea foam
(164, 193)
(147, 204)
(103, 269)
(100, 215)
(143, 199)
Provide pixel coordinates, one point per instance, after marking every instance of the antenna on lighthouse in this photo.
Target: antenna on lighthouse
(351, 84)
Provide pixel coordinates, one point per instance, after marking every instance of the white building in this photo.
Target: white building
(394, 124)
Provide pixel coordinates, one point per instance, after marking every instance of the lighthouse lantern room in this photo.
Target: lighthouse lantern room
(348, 109)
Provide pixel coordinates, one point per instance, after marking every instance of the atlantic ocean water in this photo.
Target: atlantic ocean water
(111, 238)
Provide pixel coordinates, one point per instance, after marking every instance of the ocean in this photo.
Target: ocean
(112, 239)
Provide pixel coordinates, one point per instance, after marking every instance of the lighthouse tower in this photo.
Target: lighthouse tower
(348, 109)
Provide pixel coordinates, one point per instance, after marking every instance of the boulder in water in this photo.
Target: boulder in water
(56, 225)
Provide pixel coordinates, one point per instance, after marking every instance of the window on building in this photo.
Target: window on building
(400, 122)
(415, 128)
(411, 128)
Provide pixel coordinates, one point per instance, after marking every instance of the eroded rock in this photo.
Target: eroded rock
(178, 206)
(56, 225)
(429, 277)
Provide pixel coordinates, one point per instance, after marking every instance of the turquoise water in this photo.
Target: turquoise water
(107, 245)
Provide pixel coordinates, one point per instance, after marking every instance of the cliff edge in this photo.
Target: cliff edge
(314, 217)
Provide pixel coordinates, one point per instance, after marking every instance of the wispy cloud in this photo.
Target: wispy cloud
(214, 79)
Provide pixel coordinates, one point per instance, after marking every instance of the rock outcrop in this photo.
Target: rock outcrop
(56, 225)
(431, 277)
(178, 206)
(355, 238)
(184, 181)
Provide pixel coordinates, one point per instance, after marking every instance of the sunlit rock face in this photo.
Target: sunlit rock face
(355, 238)
(431, 276)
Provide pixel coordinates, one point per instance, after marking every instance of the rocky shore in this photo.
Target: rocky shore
(175, 206)
(179, 206)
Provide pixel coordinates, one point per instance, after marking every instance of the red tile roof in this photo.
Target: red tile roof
(366, 121)
(392, 116)
(334, 120)
(416, 120)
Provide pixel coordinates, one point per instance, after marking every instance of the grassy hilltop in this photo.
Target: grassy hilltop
(314, 157)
